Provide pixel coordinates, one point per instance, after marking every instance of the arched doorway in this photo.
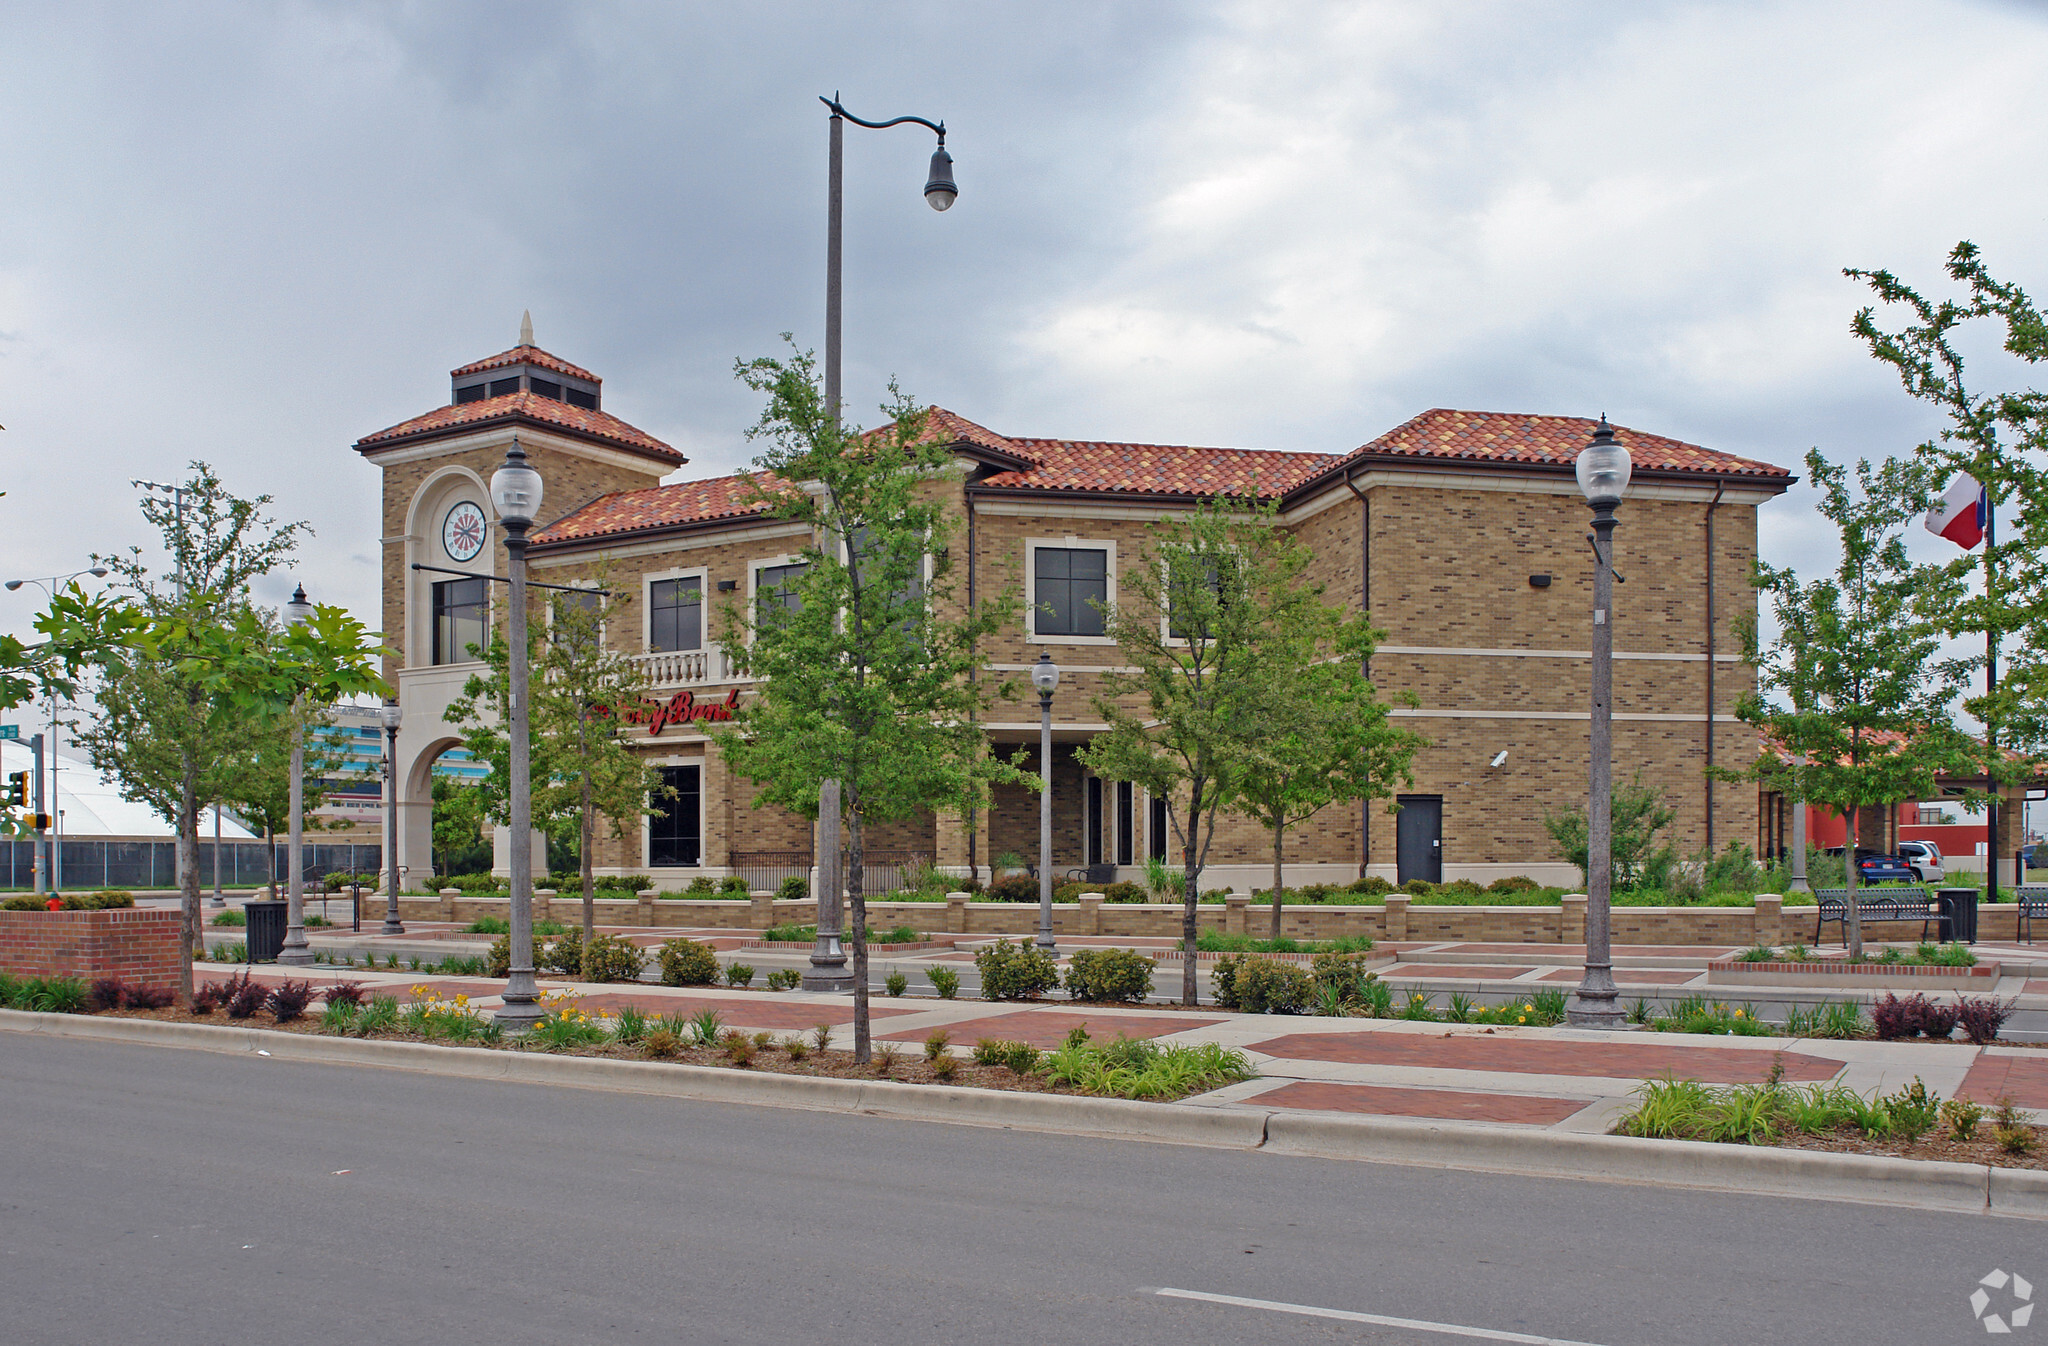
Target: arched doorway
(430, 781)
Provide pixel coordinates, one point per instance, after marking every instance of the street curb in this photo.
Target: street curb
(1407, 1141)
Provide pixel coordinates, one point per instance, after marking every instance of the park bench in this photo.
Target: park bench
(1881, 904)
(2033, 901)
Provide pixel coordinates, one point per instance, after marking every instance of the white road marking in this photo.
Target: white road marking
(1376, 1319)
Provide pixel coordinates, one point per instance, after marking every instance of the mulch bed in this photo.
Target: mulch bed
(1981, 1149)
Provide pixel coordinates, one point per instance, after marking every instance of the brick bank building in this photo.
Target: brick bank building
(1462, 533)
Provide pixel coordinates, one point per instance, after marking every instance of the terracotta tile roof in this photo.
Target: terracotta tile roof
(1511, 437)
(597, 425)
(684, 502)
(943, 425)
(532, 355)
(1153, 469)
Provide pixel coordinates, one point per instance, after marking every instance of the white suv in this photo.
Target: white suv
(1923, 858)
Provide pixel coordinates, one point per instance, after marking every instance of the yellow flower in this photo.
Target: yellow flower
(1521, 1018)
(1738, 1014)
(1529, 1007)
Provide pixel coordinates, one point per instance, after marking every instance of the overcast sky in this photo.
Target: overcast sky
(253, 234)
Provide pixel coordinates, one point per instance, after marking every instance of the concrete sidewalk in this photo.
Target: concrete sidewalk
(1558, 1079)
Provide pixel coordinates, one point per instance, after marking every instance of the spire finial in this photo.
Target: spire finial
(526, 328)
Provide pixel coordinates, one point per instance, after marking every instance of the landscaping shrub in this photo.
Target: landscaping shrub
(1372, 886)
(1021, 1057)
(245, 996)
(1418, 887)
(701, 886)
(148, 997)
(498, 962)
(685, 962)
(935, 1045)
(1982, 1017)
(107, 993)
(1128, 1068)
(739, 974)
(1124, 891)
(1109, 975)
(1340, 979)
(1914, 1014)
(1959, 1117)
(288, 1000)
(659, 1044)
(945, 981)
(612, 958)
(209, 997)
(565, 955)
(484, 925)
(895, 984)
(345, 993)
(795, 888)
(1014, 888)
(1268, 986)
(1015, 971)
(1513, 883)
(785, 979)
(231, 917)
(732, 885)
(23, 904)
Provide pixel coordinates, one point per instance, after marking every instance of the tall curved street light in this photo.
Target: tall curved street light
(53, 864)
(296, 952)
(1603, 471)
(516, 490)
(828, 956)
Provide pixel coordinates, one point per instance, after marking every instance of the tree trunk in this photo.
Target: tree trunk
(589, 892)
(1279, 836)
(188, 872)
(857, 925)
(1852, 921)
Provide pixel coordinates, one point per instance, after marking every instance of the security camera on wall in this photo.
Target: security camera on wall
(1498, 758)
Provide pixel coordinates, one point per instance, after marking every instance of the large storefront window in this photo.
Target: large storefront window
(775, 592)
(675, 615)
(460, 607)
(1070, 587)
(675, 830)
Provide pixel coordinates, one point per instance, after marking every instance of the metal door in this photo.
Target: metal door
(1419, 838)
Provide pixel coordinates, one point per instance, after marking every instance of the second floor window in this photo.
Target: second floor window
(775, 592)
(1070, 589)
(675, 615)
(459, 618)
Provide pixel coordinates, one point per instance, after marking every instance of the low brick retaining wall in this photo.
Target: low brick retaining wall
(138, 945)
(1847, 976)
(1399, 919)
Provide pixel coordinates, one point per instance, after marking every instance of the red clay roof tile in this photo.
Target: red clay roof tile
(586, 424)
(532, 355)
(684, 502)
(1154, 469)
(1512, 437)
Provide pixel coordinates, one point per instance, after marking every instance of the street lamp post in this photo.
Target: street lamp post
(828, 956)
(1799, 883)
(296, 952)
(516, 493)
(1603, 471)
(1045, 676)
(49, 584)
(391, 715)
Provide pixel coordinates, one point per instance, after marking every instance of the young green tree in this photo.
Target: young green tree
(1638, 811)
(223, 665)
(460, 812)
(867, 667)
(1327, 738)
(1189, 724)
(1846, 687)
(1997, 594)
(257, 782)
(584, 774)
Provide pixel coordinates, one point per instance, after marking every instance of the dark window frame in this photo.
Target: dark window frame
(676, 585)
(447, 599)
(1065, 604)
(675, 826)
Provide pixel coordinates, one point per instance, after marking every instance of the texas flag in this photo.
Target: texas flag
(1960, 515)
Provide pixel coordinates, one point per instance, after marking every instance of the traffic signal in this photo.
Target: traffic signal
(17, 789)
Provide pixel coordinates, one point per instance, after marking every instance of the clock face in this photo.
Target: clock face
(462, 532)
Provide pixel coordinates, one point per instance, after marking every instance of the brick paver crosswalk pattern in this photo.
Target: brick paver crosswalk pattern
(1049, 1028)
(1995, 1075)
(1451, 1104)
(1521, 1056)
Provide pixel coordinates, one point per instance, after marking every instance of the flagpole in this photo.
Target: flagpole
(1991, 691)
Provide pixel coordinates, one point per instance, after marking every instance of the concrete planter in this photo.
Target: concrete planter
(1855, 976)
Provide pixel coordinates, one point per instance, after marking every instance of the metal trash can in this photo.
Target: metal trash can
(266, 929)
(1958, 913)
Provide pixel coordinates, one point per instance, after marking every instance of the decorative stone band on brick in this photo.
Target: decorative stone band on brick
(138, 945)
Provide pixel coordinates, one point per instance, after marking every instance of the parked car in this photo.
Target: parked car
(1882, 868)
(1923, 858)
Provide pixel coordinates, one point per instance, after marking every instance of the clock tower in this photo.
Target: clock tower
(441, 541)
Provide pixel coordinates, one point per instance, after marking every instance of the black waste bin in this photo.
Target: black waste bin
(1958, 913)
(266, 929)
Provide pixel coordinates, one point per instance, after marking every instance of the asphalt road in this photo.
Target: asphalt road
(157, 1196)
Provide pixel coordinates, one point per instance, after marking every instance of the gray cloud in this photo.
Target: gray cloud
(254, 234)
